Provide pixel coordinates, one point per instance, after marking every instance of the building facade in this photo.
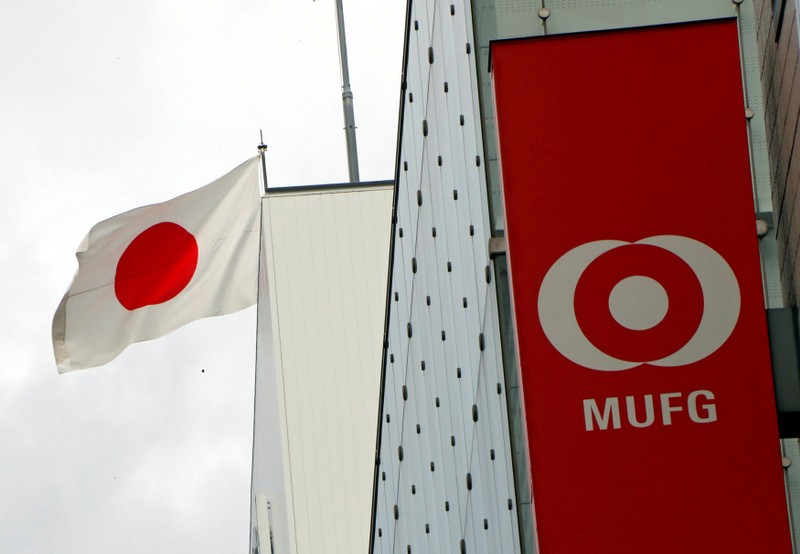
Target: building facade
(453, 470)
(316, 384)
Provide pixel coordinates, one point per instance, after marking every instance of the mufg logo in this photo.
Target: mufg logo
(666, 301)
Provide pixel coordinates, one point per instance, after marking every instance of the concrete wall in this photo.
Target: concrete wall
(780, 79)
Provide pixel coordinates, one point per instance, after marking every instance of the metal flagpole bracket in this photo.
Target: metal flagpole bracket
(497, 247)
(763, 224)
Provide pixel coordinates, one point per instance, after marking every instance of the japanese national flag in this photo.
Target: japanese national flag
(148, 271)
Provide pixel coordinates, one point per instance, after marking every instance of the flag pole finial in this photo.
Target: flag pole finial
(262, 149)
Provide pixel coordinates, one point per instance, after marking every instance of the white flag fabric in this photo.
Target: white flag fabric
(144, 273)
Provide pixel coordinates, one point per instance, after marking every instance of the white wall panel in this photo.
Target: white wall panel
(321, 314)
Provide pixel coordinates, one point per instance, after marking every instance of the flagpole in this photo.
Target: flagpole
(260, 526)
(262, 149)
(347, 98)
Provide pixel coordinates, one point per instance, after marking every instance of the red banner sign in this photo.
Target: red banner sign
(637, 293)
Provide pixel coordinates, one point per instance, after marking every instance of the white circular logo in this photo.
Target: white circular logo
(611, 305)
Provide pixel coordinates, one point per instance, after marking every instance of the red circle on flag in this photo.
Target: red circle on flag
(675, 329)
(156, 266)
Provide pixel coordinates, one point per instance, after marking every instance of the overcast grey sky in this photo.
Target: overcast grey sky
(110, 105)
